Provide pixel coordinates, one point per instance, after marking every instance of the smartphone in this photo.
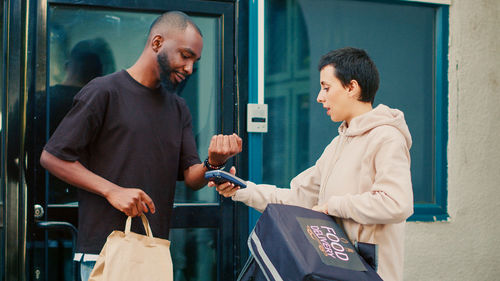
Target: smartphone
(220, 177)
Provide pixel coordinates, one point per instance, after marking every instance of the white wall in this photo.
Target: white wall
(467, 247)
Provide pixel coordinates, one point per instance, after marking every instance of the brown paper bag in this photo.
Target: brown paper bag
(131, 256)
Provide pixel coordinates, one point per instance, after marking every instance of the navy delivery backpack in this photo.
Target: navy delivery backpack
(292, 243)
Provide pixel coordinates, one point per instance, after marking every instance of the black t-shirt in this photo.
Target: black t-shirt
(132, 136)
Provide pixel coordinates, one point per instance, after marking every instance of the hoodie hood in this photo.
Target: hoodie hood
(379, 116)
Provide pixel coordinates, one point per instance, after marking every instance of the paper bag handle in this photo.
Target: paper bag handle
(145, 223)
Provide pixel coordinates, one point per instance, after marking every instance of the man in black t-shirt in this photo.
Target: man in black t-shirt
(128, 138)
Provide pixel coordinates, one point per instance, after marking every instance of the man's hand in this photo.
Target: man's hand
(226, 189)
(223, 147)
(131, 201)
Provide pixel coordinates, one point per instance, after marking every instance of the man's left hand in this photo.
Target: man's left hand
(223, 147)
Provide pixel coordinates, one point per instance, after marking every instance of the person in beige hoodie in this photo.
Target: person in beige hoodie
(363, 176)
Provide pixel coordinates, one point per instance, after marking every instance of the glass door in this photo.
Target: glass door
(76, 43)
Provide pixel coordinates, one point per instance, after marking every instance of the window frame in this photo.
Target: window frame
(436, 211)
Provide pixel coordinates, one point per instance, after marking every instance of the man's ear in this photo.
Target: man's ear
(156, 43)
(354, 89)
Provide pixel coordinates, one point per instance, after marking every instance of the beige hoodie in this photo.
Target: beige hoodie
(364, 176)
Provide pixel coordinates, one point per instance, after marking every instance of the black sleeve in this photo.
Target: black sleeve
(189, 153)
(80, 126)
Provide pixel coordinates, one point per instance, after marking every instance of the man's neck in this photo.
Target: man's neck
(143, 73)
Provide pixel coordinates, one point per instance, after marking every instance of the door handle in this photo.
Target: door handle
(62, 225)
(59, 225)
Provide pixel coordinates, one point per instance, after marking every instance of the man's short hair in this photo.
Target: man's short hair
(172, 20)
(354, 64)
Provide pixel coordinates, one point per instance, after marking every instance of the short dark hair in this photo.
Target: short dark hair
(174, 19)
(354, 64)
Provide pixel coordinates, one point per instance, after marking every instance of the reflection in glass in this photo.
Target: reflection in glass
(194, 254)
(399, 38)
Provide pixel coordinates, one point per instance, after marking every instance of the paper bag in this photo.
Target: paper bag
(131, 256)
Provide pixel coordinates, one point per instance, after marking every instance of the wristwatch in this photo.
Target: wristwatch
(211, 167)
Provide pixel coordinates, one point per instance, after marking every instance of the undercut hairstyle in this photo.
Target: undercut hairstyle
(354, 64)
(173, 20)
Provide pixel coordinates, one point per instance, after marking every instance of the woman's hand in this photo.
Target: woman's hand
(226, 189)
(323, 208)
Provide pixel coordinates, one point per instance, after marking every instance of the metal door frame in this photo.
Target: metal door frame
(25, 69)
(15, 80)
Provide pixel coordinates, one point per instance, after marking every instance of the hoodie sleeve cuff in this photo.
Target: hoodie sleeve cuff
(244, 194)
(335, 206)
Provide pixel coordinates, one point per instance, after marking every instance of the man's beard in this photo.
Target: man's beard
(166, 73)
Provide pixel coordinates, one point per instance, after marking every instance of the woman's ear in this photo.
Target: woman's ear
(353, 89)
